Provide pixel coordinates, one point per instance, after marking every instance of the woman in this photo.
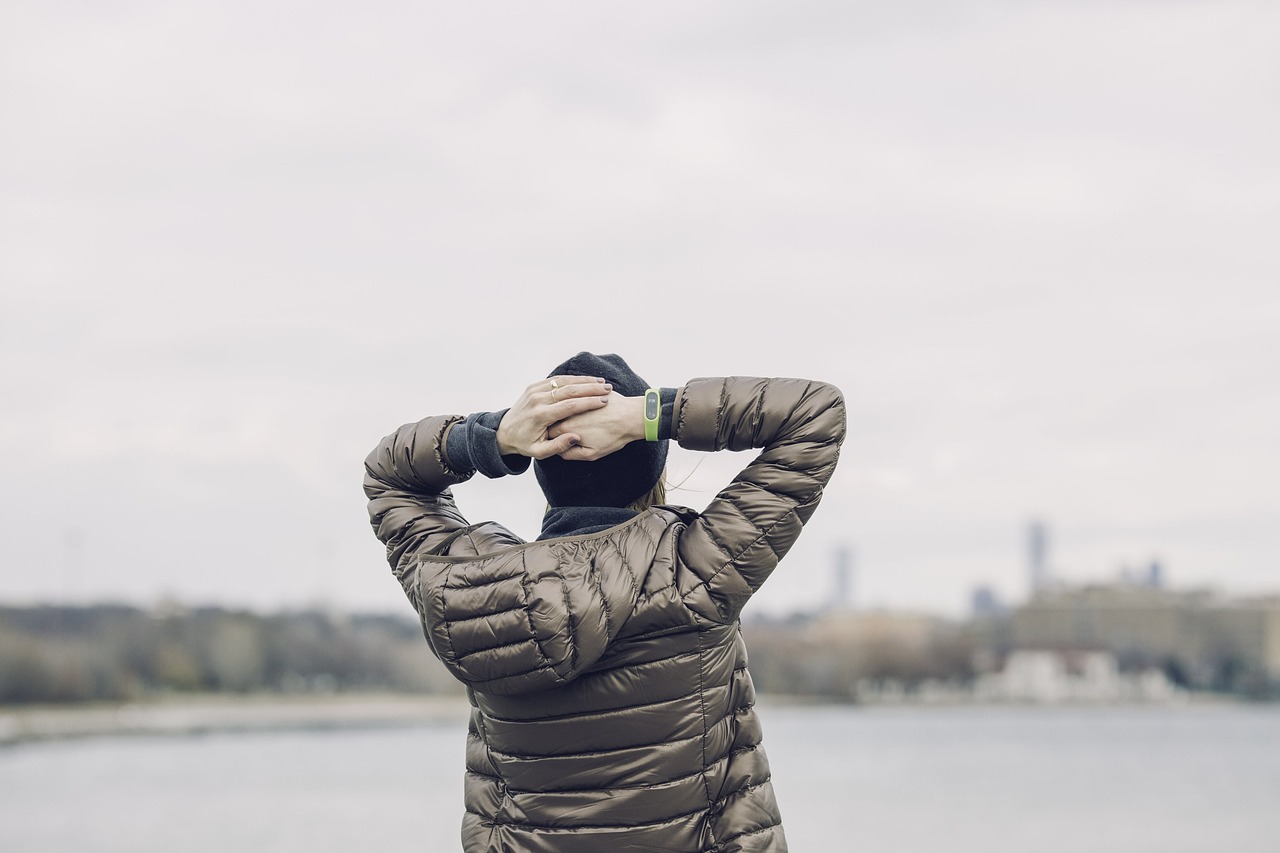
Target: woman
(611, 706)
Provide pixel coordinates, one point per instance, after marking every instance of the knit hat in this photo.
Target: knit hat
(622, 477)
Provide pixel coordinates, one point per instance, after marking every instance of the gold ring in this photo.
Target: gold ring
(554, 385)
(553, 395)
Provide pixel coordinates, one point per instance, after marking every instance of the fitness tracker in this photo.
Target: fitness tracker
(652, 408)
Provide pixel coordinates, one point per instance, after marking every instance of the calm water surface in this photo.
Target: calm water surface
(898, 781)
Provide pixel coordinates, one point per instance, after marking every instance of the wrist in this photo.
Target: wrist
(505, 446)
(635, 419)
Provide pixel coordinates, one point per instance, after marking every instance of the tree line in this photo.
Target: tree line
(118, 653)
(121, 653)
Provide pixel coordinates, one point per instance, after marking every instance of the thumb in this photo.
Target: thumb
(558, 445)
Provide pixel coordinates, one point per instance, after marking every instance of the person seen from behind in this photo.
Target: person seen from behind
(611, 707)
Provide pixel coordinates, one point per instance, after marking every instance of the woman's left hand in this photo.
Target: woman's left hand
(524, 427)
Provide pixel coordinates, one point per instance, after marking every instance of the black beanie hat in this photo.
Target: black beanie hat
(622, 477)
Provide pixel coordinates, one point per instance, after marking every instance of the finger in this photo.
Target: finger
(582, 389)
(573, 423)
(562, 409)
(580, 454)
(558, 381)
(566, 381)
(556, 446)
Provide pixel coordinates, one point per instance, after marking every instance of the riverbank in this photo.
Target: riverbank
(198, 714)
(203, 714)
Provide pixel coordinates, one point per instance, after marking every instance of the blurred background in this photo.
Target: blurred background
(1035, 243)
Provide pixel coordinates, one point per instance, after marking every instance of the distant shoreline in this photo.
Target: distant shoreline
(217, 713)
(220, 713)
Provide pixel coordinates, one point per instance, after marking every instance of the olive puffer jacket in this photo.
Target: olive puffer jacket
(611, 704)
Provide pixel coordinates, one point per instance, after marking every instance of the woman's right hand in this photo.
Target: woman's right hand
(604, 431)
(523, 429)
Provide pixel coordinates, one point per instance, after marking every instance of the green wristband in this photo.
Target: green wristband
(652, 409)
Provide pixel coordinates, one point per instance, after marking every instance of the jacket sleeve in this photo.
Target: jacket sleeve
(732, 547)
(407, 479)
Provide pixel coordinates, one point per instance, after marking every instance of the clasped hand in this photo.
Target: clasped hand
(579, 418)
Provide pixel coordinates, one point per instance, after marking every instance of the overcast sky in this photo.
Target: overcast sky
(1037, 244)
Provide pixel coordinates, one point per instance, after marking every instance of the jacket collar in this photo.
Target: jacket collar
(577, 520)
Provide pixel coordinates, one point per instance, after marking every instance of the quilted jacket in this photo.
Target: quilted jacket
(612, 709)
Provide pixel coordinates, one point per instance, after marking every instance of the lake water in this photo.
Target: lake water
(1127, 780)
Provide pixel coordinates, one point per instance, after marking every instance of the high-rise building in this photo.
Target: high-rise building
(1037, 556)
(842, 596)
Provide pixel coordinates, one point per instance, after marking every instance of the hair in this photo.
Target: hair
(656, 495)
